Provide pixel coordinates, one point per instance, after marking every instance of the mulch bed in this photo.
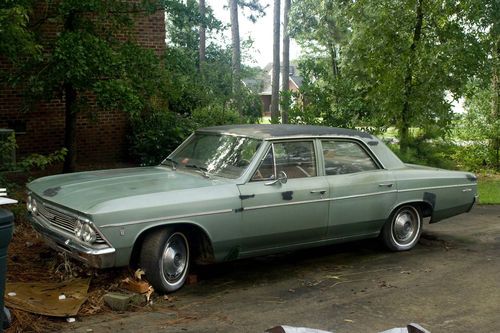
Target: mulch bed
(29, 259)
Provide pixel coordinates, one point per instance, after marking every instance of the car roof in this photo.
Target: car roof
(271, 131)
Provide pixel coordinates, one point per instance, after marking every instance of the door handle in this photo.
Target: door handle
(385, 185)
(318, 191)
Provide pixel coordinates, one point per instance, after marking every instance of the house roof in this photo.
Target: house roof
(294, 75)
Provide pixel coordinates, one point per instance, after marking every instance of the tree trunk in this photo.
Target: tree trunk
(276, 64)
(405, 121)
(285, 74)
(333, 60)
(236, 59)
(70, 127)
(202, 36)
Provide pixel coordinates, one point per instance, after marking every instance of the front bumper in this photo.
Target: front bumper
(101, 256)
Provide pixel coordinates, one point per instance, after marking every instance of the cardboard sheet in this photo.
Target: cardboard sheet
(57, 299)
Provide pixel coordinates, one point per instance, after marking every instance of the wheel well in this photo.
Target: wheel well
(424, 207)
(199, 243)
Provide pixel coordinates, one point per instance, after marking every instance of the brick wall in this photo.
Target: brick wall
(40, 127)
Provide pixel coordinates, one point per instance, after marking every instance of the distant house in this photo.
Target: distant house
(294, 84)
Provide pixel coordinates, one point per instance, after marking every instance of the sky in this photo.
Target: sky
(261, 32)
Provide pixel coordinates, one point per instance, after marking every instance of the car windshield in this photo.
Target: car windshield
(210, 154)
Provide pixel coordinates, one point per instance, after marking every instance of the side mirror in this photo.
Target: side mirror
(282, 179)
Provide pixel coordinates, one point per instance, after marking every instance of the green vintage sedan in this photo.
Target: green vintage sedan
(239, 191)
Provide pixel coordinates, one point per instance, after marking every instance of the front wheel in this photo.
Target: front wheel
(165, 259)
(402, 231)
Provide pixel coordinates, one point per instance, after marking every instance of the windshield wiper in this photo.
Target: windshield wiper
(202, 170)
(173, 163)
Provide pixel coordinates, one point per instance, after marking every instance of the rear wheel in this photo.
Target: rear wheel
(402, 231)
(165, 259)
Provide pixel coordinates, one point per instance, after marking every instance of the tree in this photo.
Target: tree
(87, 60)
(16, 40)
(322, 29)
(388, 64)
(285, 75)
(256, 11)
(276, 63)
(236, 58)
(482, 122)
(202, 35)
(407, 57)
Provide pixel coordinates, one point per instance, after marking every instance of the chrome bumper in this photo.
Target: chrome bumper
(99, 257)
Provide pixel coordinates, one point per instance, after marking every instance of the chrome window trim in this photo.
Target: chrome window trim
(364, 147)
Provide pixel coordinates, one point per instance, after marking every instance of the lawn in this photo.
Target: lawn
(489, 190)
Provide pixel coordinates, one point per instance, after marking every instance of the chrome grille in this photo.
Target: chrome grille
(60, 220)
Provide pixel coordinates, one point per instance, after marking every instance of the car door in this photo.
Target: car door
(362, 193)
(291, 209)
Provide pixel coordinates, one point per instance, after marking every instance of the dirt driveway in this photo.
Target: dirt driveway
(449, 283)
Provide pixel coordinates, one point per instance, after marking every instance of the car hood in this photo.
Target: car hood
(83, 190)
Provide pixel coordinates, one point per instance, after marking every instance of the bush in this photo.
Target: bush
(435, 153)
(475, 157)
(157, 134)
(213, 115)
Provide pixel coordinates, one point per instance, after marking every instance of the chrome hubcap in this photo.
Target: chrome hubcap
(405, 226)
(175, 258)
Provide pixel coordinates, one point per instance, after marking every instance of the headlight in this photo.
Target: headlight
(34, 208)
(88, 233)
(78, 228)
(28, 203)
(83, 230)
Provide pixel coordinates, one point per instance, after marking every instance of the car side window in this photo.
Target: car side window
(342, 157)
(266, 168)
(295, 158)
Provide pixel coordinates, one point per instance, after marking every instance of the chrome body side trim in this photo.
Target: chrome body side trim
(167, 218)
(435, 187)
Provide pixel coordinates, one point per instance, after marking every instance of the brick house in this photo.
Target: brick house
(294, 84)
(41, 128)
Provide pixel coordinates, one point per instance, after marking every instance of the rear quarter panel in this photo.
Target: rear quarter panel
(448, 192)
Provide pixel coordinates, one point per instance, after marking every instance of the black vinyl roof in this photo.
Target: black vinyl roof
(262, 131)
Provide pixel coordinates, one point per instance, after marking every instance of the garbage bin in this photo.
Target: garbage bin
(6, 228)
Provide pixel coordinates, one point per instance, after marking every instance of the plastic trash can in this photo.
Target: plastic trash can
(6, 229)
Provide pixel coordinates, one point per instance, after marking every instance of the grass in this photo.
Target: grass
(489, 190)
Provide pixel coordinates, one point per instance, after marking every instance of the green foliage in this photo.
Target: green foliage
(214, 115)
(183, 21)
(191, 99)
(33, 161)
(478, 129)
(252, 9)
(16, 40)
(156, 134)
(425, 150)
(363, 64)
(473, 156)
(7, 146)
(38, 161)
